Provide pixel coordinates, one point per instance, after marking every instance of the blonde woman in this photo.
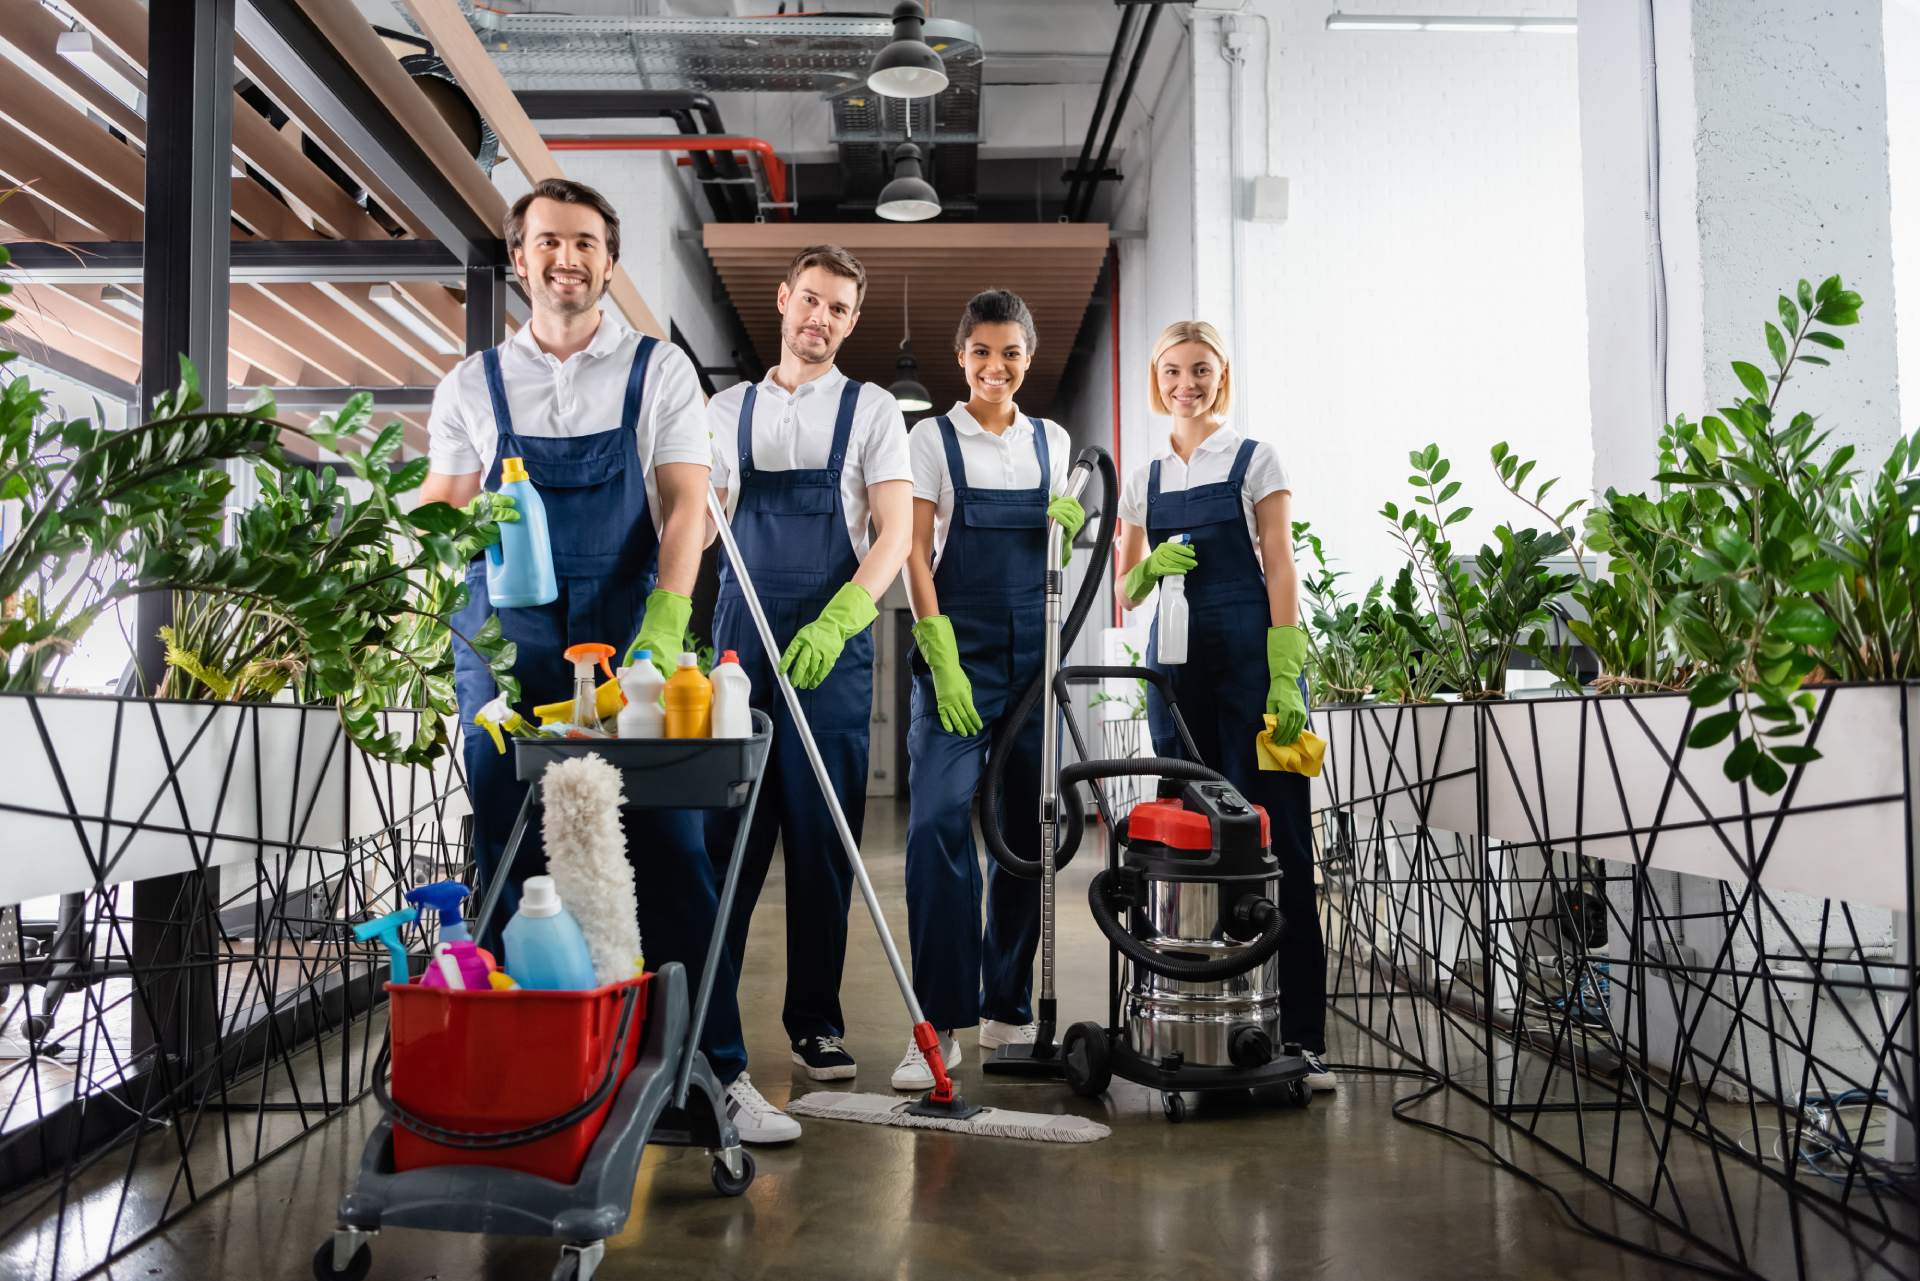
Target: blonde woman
(1230, 496)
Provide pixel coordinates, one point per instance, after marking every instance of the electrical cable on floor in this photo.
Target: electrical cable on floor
(1524, 1175)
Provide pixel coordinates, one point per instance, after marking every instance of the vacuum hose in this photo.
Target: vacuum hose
(988, 797)
(1106, 904)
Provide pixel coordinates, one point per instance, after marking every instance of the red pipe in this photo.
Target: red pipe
(776, 168)
(1113, 324)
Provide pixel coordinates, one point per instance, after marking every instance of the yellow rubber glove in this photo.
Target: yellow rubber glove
(952, 691)
(1071, 516)
(663, 629)
(1167, 558)
(815, 648)
(607, 702)
(1286, 654)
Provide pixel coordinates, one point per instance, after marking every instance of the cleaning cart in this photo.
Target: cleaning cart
(635, 1073)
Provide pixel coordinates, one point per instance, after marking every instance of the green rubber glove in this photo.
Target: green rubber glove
(1286, 654)
(952, 691)
(501, 509)
(1167, 558)
(1071, 516)
(663, 629)
(816, 647)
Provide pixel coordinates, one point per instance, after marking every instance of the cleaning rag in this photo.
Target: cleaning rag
(1301, 756)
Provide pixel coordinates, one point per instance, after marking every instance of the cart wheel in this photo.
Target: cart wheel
(1083, 1052)
(1174, 1105)
(38, 1025)
(1299, 1093)
(725, 1184)
(357, 1267)
(568, 1269)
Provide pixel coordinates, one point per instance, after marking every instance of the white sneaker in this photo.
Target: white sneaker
(994, 1034)
(757, 1120)
(915, 1073)
(1319, 1075)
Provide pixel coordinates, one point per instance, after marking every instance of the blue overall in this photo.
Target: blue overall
(992, 586)
(604, 555)
(792, 530)
(1221, 691)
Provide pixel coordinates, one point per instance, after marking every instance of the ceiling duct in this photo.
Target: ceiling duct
(822, 55)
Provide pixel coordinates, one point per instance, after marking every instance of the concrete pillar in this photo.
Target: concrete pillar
(1769, 119)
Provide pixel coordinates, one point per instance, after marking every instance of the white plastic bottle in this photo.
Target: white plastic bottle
(732, 693)
(642, 717)
(1173, 615)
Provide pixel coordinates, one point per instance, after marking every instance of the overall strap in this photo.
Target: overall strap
(1040, 450)
(637, 383)
(956, 466)
(497, 393)
(843, 427)
(746, 430)
(1240, 461)
(1153, 482)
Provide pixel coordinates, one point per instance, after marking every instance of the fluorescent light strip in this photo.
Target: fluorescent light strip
(387, 299)
(124, 301)
(1451, 22)
(100, 66)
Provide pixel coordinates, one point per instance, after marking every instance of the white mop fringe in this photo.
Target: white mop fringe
(997, 1123)
(587, 857)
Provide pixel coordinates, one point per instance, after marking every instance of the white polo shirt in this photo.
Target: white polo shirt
(1212, 461)
(578, 396)
(1006, 461)
(794, 431)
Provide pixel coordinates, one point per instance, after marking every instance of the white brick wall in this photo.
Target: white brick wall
(1428, 284)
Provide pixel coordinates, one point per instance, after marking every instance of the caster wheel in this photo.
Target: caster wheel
(1299, 1093)
(568, 1269)
(1175, 1106)
(1083, 1053)
(727, 1185)
(357, 1267)
(37, 1028)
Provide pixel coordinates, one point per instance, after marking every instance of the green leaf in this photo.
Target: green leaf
(1767, 775)
(1795, 754)
(1713, 728)
(1777, 344)
(1789, 314)
(1751, 378)
(1803, 623)
(1828, 288)
(1448, 490)
(1739, 762)
(1824, 339)
(1821, 361)
(1717, 687)
(1458, 515)
(1805, 295)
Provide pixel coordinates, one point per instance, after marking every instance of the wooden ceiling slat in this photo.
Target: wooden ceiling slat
(36, 32)
(88, 312)
(54, 182)
(311, 304)
(42, 321)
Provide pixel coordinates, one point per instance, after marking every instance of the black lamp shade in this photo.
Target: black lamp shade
(907, 388)
(908, 67)
(909, 197)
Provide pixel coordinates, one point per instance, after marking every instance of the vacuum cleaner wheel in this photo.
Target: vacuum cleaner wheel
(1089, 1067)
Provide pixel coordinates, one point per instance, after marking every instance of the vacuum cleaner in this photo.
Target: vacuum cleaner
(1186, 900)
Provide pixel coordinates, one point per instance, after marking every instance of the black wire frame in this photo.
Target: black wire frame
(1734, 1059)
(110, 1127)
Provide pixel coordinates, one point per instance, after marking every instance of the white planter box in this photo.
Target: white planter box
(1408, 763)
(100, 790)
(1612, 778)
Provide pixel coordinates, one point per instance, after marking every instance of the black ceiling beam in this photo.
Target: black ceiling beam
(384, 398)
(120, 262)
(278, 31)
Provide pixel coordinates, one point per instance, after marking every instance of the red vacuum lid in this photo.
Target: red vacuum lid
(1173, 825)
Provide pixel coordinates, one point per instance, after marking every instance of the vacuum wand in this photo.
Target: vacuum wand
(1056, 583)
(924, 1035)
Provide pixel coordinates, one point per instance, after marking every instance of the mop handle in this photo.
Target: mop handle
(752, 598)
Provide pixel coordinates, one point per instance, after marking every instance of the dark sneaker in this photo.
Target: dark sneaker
(824, 1058)
(1319, 1076)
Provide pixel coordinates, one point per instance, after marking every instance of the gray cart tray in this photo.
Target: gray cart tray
(663, 773)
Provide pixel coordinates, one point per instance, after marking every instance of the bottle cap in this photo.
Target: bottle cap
(538, 897)
(639, 654)
(512, 469)
(690, 660)
(729, 657)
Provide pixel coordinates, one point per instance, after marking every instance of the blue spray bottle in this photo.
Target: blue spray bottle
(444, 897)
(520, 565)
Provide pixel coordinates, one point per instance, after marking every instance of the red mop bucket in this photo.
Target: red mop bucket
(520, 1080)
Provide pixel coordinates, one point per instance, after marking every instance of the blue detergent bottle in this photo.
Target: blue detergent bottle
(520, 565)
(545, 949)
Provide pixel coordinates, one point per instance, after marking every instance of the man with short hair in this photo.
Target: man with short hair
(608, 426)
(808, 458)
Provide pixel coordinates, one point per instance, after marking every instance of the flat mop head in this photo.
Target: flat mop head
(995, 1123)
(587, 857)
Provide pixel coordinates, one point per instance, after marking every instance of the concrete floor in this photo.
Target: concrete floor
(1340, 1190)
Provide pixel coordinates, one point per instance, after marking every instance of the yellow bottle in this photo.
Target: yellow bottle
(689, 701)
